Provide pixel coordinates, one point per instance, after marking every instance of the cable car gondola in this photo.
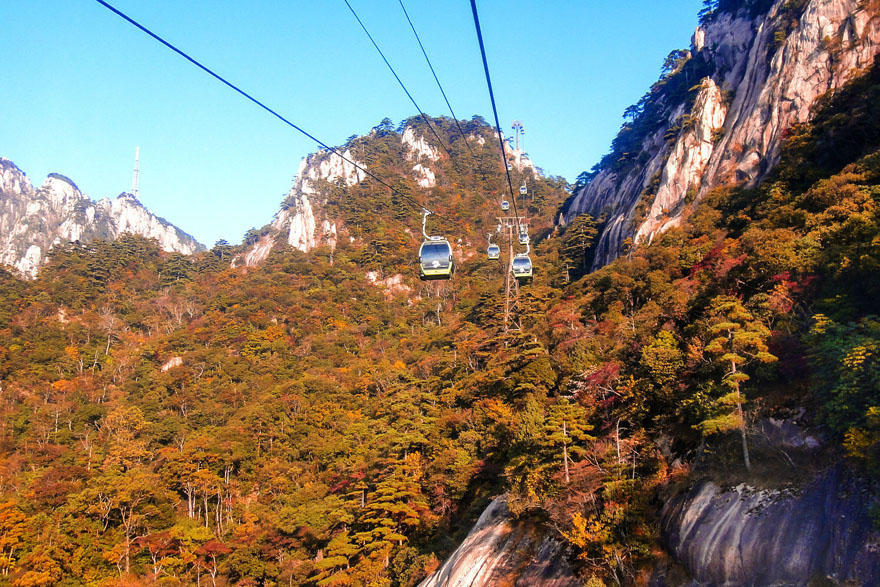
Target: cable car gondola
(522, 268)
(435, 256)
(505, 205)
(523, 190)
(523, 235)
(494, 251)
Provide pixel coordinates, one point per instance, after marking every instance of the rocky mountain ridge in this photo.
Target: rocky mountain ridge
(299, 223)
(32, 219)
(303, 222)
(758, 75)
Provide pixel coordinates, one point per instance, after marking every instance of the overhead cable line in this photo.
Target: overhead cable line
(322, 144)
(411, 99)
(439, 85)
(478, 167)
(494, 109)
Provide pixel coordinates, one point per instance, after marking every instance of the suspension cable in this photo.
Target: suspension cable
(406, 91)
(439, 85)
(494, 108)
(232, 86)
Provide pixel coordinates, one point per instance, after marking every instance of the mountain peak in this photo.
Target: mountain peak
(13, 179)
(33, 220)
(54, 178)
(333, 200)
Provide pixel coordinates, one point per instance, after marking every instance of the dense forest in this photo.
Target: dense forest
(180, 420)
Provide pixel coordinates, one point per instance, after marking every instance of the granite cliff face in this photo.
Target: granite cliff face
(745, 536)
(502, 551)
(759, 75)
(814, 531)
(301, 222)
(32, 220)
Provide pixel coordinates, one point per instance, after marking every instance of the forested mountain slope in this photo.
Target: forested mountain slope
(307, 420)
(171, 418)
(321, 417)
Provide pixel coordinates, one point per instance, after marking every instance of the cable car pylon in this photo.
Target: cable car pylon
(513, 225)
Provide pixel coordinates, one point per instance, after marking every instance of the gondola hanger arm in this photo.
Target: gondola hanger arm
(428, 237)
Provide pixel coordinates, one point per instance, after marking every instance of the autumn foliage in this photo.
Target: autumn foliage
(177, 421)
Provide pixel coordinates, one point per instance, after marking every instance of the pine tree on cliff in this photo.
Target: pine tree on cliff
(739, 339)
(578, 242)
(567, 428)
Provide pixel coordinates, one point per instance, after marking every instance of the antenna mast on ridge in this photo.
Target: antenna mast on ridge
(134, 174)
(518, 131)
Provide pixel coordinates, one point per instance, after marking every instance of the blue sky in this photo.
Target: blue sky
(82, 88)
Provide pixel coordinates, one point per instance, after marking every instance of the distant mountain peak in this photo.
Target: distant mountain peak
(33, 220)
(63, 178)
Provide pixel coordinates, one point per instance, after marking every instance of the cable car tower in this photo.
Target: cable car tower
(515, 227)
(519, 265)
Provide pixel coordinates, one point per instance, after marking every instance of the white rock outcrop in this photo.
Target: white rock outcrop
(419, 151)
(33, 220)
(500, 550)
(171, 363)
(520, 160)
(301, 222)
(417, 147)
(392, 285)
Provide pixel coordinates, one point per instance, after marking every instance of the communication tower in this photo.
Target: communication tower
(517, 131)
(134, 174)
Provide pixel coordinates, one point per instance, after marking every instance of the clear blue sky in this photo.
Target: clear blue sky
(82, 88)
